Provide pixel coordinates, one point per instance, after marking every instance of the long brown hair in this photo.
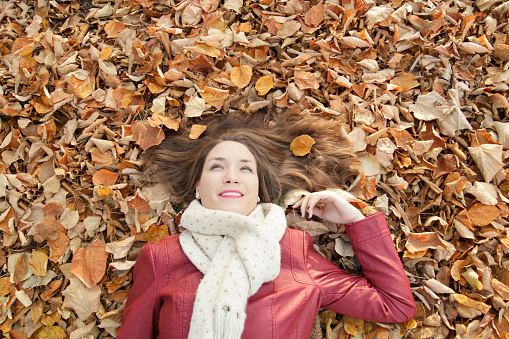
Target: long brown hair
(178, 161)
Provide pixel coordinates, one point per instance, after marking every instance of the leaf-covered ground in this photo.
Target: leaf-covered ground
(420, 87)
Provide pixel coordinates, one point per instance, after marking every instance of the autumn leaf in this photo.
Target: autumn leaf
(264, 84)
(214, 96)
(89, 263)
(405, 81)
(302, 145)
(157, 120)
(104, 177)
(156, 233)
(488, 158)
(482, 215)
(52, 332)
(145, 135)
(196, 131)
(82, 88)
(241, 75)
(83, 300)
(113, 28)
(315, 16)
(305, 80)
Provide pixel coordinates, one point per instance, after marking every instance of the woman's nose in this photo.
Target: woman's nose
(230, 176)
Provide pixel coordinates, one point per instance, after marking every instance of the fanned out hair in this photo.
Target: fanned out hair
(178, 161)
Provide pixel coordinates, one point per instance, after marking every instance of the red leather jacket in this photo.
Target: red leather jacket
(160, 302)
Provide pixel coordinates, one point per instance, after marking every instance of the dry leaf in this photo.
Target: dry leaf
(113, 28)
(81, 299)
(145, 135)
(305, 80)
(405, 81)
(196, 131)
(488, 158)
(264, 84)
(302, 145)
(89, 263)
(104, 177)
(241, 75)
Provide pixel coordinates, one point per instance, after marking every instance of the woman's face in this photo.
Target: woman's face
(229, 181)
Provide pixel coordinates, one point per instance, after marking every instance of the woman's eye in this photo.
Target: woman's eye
(246, 168)
(215, 166)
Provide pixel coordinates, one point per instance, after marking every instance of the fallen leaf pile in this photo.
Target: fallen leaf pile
(419, 87)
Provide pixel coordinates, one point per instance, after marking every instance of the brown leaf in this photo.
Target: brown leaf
(53, 288)
(315, 16)
(305, 80)
(20, 269)
(89, 263)
(84, 301)
(214, 96)
(482, 215)
(145, 135)
(58, 246)
(423, 241)
(301, 145)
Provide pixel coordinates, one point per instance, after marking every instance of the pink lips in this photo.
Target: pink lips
(231, 194)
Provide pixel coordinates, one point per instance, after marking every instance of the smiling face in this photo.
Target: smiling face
(229, 180)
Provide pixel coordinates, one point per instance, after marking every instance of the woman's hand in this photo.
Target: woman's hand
(329, 206)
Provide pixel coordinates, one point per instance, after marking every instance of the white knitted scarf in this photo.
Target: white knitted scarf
(237, 254)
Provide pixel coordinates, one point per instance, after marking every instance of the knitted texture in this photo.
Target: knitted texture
(237, 254)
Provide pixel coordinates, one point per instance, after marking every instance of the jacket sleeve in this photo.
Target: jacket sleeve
(384, 293)
(141, 312)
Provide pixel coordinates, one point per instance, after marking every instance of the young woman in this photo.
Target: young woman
(237, 271)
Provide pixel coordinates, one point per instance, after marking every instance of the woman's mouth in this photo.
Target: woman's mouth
(231, 194)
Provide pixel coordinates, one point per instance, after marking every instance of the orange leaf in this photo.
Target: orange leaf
(113, 28)
(6, 224)
(58, 246)
(196, 131)
(104, 177)
(365, 188)
(146, 135)
(405, 81)
(301, 145)
(89, 263)
(157, 120)
(81, 88)
(241, 75)
(482, 215)
(214, 97)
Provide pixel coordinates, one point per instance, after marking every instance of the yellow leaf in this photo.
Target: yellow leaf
(241, 75)
(52, 332)
(301, 145)
(104, 191)
(264, 84)
(196, 131)
(105, 53)
(214, 97)
(245, 27)
(405, 81)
